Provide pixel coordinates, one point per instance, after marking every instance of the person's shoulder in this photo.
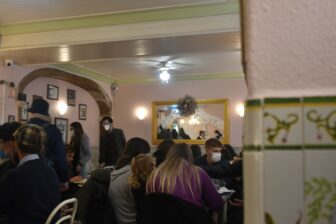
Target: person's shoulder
(85, 137)
(118, 130)
(200, 160)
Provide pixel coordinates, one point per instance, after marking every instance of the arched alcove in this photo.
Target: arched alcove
(100, 96)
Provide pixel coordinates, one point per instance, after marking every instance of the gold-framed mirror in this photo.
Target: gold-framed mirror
(210, 118)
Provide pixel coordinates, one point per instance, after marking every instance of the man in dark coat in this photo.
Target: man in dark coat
(29, 192)
(112, 142)
(54, 153)
(215, 163)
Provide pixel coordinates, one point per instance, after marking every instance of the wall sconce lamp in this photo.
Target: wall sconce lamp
(240, 109)
(62, 107)
(141, 113)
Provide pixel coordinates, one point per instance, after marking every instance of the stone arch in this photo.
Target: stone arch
(100, 96)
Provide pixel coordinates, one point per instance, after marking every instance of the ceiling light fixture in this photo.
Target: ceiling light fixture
(164, 74)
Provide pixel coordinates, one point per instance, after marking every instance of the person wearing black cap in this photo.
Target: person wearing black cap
(29, 192)
(54, 153)
(7, 146)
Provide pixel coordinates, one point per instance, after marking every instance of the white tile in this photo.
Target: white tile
(283, 185)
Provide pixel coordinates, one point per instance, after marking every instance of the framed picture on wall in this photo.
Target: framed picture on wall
(11, 118)
(82, 111)
(62, 125)
(52, 92)
(71, 97)
(24, 112)
(37, 97)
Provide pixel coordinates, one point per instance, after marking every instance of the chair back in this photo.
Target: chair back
(67, 211)
(167, 209)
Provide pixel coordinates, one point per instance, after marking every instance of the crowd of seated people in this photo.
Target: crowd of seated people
(174, 185)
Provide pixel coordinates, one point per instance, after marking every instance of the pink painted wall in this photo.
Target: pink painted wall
(129, 97)
(90, 125)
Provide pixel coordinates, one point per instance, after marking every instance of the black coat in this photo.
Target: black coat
(111, 145)
(168, 209)
(94, 205)
(29, 193)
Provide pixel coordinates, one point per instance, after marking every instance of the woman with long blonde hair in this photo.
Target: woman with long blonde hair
(179, 177)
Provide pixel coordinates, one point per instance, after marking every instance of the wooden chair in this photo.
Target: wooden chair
(67, 211)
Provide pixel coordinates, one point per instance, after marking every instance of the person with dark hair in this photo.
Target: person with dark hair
(162, 150)
(174, 134)
(31, 191)
(81, 146)
(7, 147)
(164, 133)
(196, 151)
(218, 135)
(212, 162)
(183, 134)
(120, 191)
(202, 135)
(218, 166)
(215, 164)
(54, 153)
(112, 142)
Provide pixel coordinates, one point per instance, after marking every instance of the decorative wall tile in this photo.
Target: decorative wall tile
(253, 125)
(320, 122)
(286, 185)
(320, 186)
(283, 186)
(282, 123)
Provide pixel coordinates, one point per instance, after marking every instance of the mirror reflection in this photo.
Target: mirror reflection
(210, 120)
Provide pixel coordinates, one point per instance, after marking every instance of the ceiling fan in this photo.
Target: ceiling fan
(164, 65)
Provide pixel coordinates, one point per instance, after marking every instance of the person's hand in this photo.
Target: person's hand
(236, 202)
(235, 159)
(78, 168)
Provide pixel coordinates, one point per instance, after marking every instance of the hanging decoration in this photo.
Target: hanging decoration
(187, 105)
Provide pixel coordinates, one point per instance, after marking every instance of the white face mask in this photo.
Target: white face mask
(107, 127)
(216, 157)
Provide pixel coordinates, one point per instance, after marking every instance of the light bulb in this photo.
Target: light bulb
(164, 76)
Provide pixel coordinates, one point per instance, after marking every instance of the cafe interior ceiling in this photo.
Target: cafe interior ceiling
(192, 55)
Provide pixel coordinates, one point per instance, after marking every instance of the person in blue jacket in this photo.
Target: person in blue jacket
(54, 152)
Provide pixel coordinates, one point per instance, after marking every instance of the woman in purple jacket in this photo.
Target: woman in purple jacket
(178, 176)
